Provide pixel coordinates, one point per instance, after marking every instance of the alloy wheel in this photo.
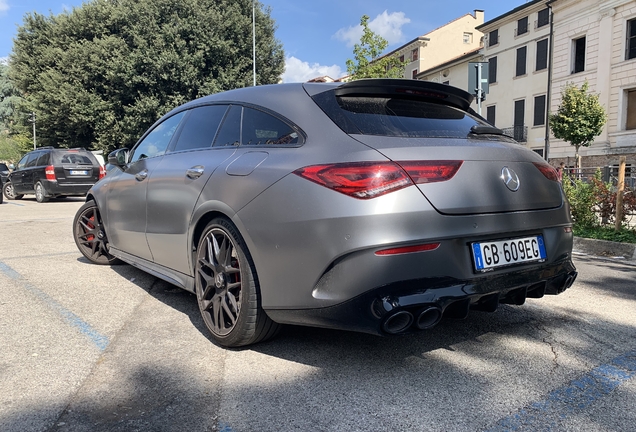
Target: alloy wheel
(90, 236)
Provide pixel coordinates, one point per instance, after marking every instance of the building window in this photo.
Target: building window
(542, 54)
(518, 120)
(538, 151)
(539, 110)
(492, 70)
(521, 61)
(631, 110)
(414, 54)
(468, 38)
(543, 17)
(493, 38)
(630, 47)
(578, 51)
(413, 73)
(401, 59)
(522, 26)
(491, 112)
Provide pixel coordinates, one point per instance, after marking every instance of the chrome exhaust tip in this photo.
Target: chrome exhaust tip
(429, 317)
(398, 322)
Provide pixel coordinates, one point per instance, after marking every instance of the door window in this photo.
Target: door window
(157, 141)
(200, 127)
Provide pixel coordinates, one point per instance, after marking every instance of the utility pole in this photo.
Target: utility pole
(254, 41)
(32, 120)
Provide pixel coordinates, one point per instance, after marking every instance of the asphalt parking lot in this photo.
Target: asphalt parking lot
(92, 348)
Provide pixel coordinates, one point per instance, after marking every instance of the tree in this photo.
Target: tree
(368, 63)
(579, 119)
(100, 75)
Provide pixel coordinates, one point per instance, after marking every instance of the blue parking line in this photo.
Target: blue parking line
(99, 340)
(16, 204)
(574, 397)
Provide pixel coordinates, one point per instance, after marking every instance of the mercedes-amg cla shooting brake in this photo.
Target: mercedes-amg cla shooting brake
(378, 206)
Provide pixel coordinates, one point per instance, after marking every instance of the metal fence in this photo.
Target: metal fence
(518, 133)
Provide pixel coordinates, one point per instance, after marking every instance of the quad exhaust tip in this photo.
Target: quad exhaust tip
(428, 317)
(398, 322)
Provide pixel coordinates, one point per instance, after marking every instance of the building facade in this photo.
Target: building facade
(596, 41)
(438, 46)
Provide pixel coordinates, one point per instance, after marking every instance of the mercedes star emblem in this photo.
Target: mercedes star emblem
(510, 179)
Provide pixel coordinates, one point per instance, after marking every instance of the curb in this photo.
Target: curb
(626, 252)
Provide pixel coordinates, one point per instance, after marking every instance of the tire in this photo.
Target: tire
(90, 236)
(40, 193)
(7, 191)
(227, 288)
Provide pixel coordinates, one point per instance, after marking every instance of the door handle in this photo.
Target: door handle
(140, 176)
(195, 172)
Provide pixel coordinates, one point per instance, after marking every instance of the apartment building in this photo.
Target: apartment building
(516, 46)
(596, 41)
(438, 46)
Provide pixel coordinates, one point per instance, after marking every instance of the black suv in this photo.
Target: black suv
(51, 172)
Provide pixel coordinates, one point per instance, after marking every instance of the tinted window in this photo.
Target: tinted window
(43, 159)
(230, 132)
(405, 118)
(156, 142)
(74, 158)
(200, 127)
(260, 128)
(33, 158)
(23, 161)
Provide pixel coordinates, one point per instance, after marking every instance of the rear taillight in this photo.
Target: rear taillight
(431, 171)
(366, 180)
(49, 171)
(547, 170)
(102, 172)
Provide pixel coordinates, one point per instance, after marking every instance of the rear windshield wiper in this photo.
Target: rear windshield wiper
(486, 130)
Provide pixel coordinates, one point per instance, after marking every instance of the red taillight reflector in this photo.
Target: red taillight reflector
(547, 170)
(363, 180)
(408, 249)
(431, 171)
(49, 171)
(102, 172)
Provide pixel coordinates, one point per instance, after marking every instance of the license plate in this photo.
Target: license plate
(490, 255)
(79, 172)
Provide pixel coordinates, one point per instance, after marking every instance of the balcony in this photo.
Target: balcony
(518, 133)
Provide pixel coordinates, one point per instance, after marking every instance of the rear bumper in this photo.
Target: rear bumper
(420, 303)
(53, 188)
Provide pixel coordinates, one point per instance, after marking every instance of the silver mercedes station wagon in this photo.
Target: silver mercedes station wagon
(379, 206)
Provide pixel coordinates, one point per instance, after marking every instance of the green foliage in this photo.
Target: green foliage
(368, 63)
(13, 147)
(580, 117)
(593, 206)
(100, 75)
(10, 101)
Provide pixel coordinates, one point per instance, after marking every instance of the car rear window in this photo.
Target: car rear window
(74, 158)
(396, 117)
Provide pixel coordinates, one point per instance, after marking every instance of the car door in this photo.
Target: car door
(22, 178)
(175, 185)
(126, 203)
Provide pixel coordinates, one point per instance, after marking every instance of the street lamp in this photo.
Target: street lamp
(254, 41)
(32, 120)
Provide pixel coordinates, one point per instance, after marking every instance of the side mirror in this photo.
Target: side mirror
(11, 167)
(119, 158)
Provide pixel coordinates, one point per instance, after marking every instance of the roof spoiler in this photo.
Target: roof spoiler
(406, 88)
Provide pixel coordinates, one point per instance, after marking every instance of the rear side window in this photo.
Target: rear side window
(200, 127)
(33, 158)
(406, 118)
(43, 159)
(230, 133)
(260, 128)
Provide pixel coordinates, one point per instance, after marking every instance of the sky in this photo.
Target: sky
(317, 36)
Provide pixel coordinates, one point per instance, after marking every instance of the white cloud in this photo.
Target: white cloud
(4, 6)
(297, 70)
(387, 25)
(4, 60)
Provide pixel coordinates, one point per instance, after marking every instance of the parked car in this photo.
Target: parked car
(53, 172)
(4, 172)
(378, 206)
